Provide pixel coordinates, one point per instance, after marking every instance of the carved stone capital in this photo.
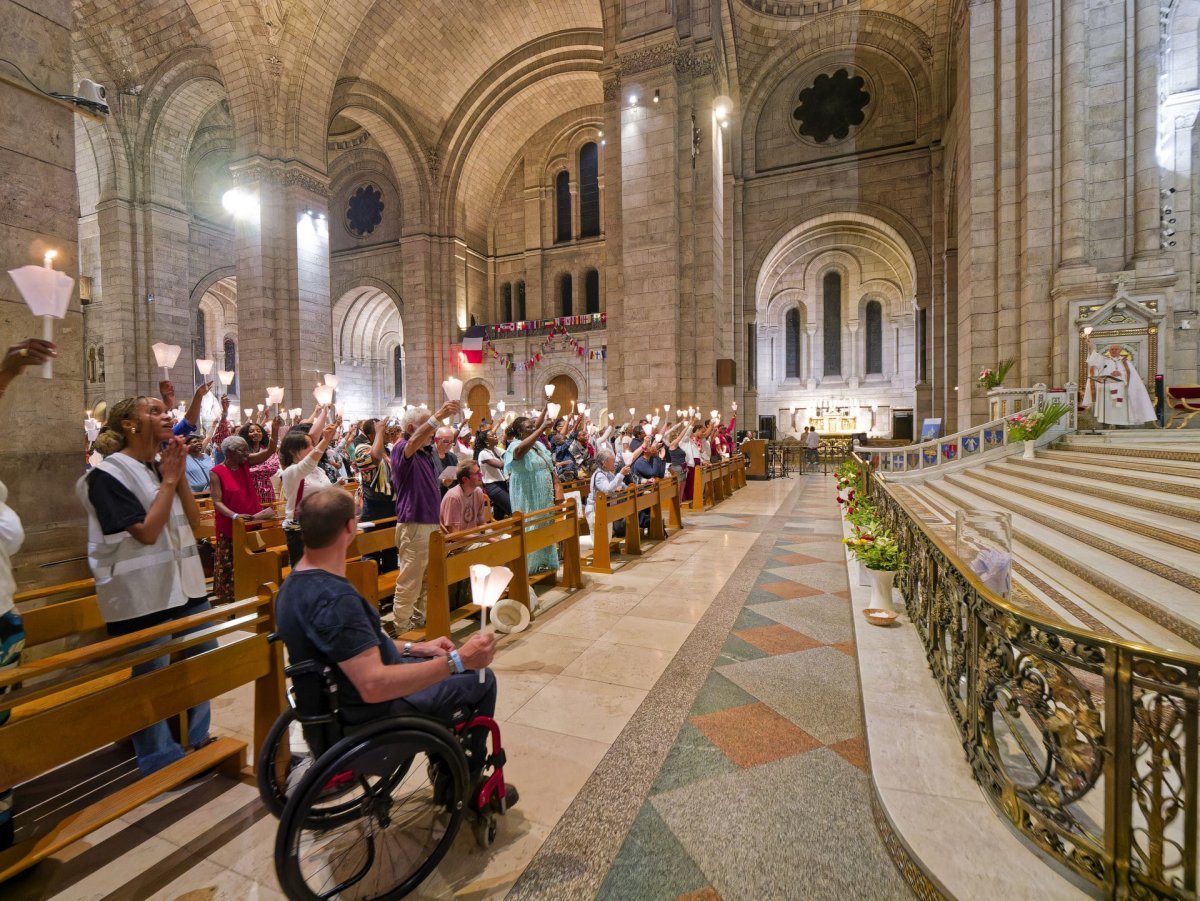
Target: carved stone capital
(281, 172)
(644, 59)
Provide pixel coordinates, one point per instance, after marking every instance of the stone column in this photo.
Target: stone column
(1074, 132)
(282, 261)
(42, 453)
(814, 375)
(1146, 175)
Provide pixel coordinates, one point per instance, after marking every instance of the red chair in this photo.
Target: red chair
(1183, 401)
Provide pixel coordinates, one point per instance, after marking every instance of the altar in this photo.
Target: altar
(834, 423)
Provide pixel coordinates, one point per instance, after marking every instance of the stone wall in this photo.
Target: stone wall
(42, 454)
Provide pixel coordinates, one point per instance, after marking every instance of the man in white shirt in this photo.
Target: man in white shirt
(812, 445)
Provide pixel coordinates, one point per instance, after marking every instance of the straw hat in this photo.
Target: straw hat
(510, 616)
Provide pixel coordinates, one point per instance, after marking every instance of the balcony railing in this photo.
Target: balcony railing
(1087, 745)
(536, 328)
(988, 439)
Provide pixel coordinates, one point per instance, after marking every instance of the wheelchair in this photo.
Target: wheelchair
(373, 808)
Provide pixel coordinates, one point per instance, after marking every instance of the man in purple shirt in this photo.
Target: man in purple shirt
(415, 472)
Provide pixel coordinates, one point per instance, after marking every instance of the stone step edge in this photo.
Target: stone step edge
(1166, 536)
(1117, 450)
(1046, 463)
(1035, 574)
(1094, 490)
(1133, 463)
(1170, 573)
(1148, 608)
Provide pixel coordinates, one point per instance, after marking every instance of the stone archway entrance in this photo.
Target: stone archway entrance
(566, 393)
(478, 399)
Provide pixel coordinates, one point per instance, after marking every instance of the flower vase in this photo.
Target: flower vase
(1028, 453)
(881, 588)
(864, 574)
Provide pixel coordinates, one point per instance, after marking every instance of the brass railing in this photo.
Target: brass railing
(1087, 744)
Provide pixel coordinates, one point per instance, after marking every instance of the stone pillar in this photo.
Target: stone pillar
(1074, 132)
(43, 449)
(1147, 217)
(284, 321)
(646, 365)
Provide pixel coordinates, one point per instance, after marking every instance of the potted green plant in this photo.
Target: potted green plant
(882, 558)
(994, 378)
(1029, 427)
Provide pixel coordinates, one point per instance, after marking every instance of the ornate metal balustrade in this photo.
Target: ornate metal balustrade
(1088, 745)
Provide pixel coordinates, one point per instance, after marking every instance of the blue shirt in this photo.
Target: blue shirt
(198, 471)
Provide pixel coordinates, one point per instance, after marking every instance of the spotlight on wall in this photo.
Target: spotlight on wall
(241, 203)
(656, 95)
(599, 134)
(633, 99)
(722, 107)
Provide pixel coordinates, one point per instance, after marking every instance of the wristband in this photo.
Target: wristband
(432, 423)
(456, 663)
(407, 648)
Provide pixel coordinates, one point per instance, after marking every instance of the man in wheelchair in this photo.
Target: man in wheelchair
(323, 619)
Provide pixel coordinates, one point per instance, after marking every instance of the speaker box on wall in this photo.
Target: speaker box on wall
(726, 373)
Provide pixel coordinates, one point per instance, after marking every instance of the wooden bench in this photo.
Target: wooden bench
(500, 543)
(74, 703)
(557, 525)
(259, 555)
(668, 495)
(1184, 403)
(702, 488)
(619, 505)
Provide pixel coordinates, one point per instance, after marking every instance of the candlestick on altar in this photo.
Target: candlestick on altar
(46, 292)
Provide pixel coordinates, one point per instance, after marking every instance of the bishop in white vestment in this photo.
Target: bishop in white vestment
(1124, 401)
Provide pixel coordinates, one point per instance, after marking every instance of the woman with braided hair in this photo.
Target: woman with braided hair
(142, 550)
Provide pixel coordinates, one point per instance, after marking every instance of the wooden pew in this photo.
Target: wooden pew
(378, 536)
(668, 496)
(609, 509)
(702, 488)
(84, 701)
(647, 497)
(451, 557)
(556, 525)
(259, 555)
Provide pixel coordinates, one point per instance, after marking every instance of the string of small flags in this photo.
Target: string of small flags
(556, 332)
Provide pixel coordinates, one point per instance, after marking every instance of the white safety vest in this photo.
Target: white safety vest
(135, 579)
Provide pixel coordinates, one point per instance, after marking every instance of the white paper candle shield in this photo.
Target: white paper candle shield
(667, 407)
(500, 406)
(205, 367)
(549, 389)
(165, 355)
(275, 395)
(632, 411)
(46, 292)
(552, 411)
(487, 584)
(331, 380)
(647, 428)
(715, 414)
(734, 406)
(453, 389)
(323, 394)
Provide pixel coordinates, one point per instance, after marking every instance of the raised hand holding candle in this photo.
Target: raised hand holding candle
(165, 355)
(46, 292)
(453, 388)
(552, 411)
(323, 394)
(487, 584)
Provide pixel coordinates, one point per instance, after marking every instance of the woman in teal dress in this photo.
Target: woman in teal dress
(531, 479)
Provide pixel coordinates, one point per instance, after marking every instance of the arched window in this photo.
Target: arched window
(200, 330)
(874, 354)
(520, 311)
(791, 335)
(831, 315)
(398, 370)
(506, 309)
(566, 292)
(230, 349)
(100, 363)
(589, 190)
(93, 370)
(562, 207)
(591, 291)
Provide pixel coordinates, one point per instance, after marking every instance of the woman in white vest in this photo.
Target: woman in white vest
(142, 550)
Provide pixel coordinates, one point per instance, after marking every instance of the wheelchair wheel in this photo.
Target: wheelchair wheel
(399, 811)
(272, 775)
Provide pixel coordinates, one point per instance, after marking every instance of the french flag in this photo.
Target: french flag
(472, 346)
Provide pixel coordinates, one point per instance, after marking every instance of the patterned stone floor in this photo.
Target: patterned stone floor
(764, 792)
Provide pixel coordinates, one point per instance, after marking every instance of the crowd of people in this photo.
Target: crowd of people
(425, 469)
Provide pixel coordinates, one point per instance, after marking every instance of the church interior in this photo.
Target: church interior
(754, 444)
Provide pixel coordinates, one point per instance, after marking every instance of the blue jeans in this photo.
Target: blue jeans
(155, 746)
(12, 642)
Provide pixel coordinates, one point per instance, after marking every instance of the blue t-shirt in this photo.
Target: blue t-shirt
(323, 618)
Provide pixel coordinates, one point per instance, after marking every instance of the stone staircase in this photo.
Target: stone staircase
(1106, 530)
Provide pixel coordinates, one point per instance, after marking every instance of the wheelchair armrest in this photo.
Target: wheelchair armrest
(315, 692)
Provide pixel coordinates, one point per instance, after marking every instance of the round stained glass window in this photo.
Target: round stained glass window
(365, 210)
(831, 106)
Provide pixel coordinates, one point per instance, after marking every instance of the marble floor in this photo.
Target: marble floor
(568, 686)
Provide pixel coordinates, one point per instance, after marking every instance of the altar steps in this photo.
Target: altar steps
(1105, 530)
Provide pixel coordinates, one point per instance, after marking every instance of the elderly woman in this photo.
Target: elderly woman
(605, 480)
(233, 497)
(531, 479)
(12, 631)
(142, 550)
